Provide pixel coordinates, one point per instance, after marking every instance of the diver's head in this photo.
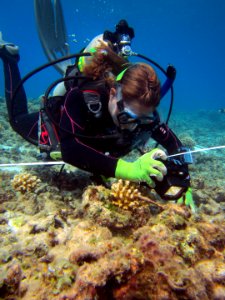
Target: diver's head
(135, 96)
(121, 38)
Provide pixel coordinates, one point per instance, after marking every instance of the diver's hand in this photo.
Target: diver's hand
(143, 168)
(187, 199)
(171, 72)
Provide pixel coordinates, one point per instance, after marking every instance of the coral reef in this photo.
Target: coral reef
(25, 182)
(112, 253)
(64, 238)
(221, 139)
(187, 141)
(127, 195)
(97, 205)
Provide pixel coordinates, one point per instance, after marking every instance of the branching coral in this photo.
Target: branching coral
(25, 182)
(126, 195)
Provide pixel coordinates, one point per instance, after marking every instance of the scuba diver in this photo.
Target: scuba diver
(107, 108)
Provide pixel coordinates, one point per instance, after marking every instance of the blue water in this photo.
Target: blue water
(186, 33)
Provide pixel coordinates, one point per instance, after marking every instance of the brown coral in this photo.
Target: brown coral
(25, 182)
(126, 195)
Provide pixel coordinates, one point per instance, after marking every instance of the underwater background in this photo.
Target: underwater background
(64, 237)
(185, 33)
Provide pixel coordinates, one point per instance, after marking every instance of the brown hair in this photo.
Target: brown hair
(104, 61)
(140, 82)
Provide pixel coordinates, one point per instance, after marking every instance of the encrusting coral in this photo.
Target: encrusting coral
(25, 182)
(102, 251)
(110, 207)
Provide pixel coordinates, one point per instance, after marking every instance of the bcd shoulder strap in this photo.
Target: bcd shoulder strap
(72, 71)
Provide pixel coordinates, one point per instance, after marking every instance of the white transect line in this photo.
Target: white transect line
(198, 150)
(44, 163)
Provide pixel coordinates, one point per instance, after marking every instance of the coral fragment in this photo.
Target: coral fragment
(25, 182)
(126, 195)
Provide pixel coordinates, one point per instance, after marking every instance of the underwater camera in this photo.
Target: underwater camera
(177, 180)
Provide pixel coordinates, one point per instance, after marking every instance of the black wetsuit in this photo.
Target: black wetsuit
(87, 142)
(26, 124)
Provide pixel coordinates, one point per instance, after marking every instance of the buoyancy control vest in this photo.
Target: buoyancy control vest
(52, 107)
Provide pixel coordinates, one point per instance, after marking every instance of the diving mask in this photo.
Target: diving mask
(127, 116)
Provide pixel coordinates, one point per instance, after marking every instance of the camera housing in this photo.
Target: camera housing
(175, 183)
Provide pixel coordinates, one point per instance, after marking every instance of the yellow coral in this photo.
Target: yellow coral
(125, 194)
(25, 182)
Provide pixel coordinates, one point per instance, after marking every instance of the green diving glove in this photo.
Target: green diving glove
(143, 168)
(188, 200)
